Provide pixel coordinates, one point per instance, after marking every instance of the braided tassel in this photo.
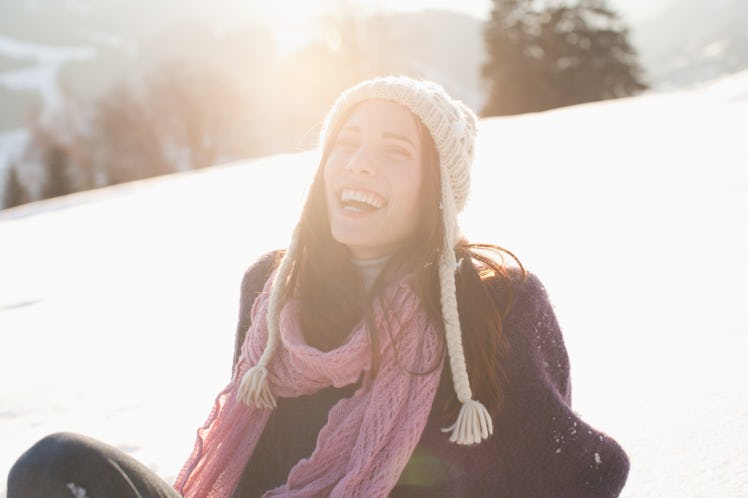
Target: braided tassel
(254, 388)
(473, 424)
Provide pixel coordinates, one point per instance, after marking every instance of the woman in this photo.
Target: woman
(381, 354)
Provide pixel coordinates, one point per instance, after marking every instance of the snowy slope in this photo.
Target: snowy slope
(117, 306)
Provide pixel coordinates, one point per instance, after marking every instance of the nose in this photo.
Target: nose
(361, 163)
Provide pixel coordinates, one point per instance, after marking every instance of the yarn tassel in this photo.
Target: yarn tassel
(473, 424)
(254, 388)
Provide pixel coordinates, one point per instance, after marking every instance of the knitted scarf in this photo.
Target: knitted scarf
(368, 438)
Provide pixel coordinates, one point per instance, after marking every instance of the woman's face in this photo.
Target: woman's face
(373, 179)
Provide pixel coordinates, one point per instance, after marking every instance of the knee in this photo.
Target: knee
(40, 463)
(52, 447)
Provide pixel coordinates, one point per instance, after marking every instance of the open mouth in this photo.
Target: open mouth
(360, 201)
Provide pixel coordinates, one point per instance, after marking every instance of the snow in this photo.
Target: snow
(77, 491)
(11, 142)
(41, 76)
(117, 306)
(731, 87)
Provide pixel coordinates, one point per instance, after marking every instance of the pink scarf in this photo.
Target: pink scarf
(368, 438)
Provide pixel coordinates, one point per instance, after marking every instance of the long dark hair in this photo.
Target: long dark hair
(333, 299)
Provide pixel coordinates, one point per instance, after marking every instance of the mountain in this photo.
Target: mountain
(441, 45)
(97, 45)
(692, 41)
(86, 47)
(683, 42)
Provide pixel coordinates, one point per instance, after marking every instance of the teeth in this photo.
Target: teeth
(372, 200)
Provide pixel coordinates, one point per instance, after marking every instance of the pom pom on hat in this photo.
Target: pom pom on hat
(452, 126)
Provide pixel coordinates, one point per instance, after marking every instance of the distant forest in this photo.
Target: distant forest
(238, 98)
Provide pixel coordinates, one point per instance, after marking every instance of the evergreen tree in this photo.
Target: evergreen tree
(57, 180)
(543, 55)
(15, 193)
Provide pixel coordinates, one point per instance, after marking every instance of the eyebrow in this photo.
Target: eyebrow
(395, 136)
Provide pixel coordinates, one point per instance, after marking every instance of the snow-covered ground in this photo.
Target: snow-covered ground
(117, 306)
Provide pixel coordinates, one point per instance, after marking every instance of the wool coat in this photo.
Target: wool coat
(539, 448)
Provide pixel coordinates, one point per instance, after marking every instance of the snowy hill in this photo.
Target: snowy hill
(117, 306)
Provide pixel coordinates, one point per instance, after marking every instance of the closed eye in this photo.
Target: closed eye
(346, 143)
(398, 152)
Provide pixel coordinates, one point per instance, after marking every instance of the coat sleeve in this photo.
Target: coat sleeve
(252, 284)
(545, 448)
(540, 447)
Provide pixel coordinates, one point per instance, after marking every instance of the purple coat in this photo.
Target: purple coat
(539, 448)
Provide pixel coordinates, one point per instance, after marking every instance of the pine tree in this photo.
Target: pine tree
(553, 54)
(58, 176)
(15, 193)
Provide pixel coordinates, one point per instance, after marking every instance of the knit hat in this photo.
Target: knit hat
(452, 126)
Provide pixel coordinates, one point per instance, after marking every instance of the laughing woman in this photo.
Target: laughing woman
(382, 354)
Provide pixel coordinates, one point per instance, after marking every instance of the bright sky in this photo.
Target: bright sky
(288, 16)
(300, 9)
(636, 9)
(476, 8)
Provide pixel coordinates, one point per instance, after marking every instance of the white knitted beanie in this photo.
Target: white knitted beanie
(452, 126)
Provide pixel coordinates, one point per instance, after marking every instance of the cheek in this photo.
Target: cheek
(409, 192)
(411, 182)
(333, 166)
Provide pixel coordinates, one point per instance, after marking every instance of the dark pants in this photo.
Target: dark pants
(71, 465)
